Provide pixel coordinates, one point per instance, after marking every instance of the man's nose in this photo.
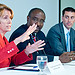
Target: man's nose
(38, 23)
(69, 19)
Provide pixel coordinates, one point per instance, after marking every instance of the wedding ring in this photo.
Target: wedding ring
(71, 59)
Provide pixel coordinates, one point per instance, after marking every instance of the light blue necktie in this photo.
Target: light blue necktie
(68, 42)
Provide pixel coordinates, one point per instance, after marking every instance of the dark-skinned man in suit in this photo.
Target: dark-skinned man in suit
(36, 15)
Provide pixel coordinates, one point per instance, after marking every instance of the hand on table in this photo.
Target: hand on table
(67, 57)
(73, 55)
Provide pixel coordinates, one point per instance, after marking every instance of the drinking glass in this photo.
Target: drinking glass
(41, 62)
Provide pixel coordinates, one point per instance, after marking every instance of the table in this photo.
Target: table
(69, 70)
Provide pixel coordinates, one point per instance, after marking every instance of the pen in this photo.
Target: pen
(35, 66)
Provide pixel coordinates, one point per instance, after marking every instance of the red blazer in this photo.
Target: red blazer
(8, 54)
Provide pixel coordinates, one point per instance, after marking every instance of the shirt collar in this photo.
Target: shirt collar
(65, 29)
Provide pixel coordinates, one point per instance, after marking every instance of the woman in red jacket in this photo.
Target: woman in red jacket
(8, 51)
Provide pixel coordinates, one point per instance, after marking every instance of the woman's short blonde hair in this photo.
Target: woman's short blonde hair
(2, 7)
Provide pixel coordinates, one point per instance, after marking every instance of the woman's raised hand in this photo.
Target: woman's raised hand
(25, 36)
(34, 47)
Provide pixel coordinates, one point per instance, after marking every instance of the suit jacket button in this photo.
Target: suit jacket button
(8, 51)
(12, 49)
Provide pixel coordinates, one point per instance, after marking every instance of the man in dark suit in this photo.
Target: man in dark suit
(61, 37)
(36, 15)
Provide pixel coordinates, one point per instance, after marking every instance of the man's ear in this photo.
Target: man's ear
(27, 18)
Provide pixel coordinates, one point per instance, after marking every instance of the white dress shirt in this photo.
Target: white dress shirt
(65, 32)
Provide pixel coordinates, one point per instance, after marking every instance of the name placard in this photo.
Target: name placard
(55, 66)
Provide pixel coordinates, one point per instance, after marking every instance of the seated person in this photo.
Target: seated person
(36, 15)
(9, 51)
(61, 37)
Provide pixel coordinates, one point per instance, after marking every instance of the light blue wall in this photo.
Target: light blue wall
(22, 7)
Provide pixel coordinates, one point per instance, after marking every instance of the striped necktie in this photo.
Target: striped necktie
(33, 37)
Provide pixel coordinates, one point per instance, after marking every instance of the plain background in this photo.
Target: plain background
(22, 7)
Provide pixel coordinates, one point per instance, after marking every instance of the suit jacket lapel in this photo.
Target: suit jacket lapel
(62, 36)
(2, 43)
(71, 39)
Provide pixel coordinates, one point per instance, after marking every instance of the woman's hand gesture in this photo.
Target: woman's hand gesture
(25, 36)
(34, 47)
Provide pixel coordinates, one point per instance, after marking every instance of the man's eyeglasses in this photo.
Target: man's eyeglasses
(37, 20)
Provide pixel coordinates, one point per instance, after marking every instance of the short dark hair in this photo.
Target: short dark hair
(29, 14)
(69, 9)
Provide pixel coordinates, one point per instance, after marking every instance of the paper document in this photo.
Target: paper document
(27, 67)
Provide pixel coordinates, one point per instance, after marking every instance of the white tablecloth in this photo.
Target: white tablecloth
(69, 70)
